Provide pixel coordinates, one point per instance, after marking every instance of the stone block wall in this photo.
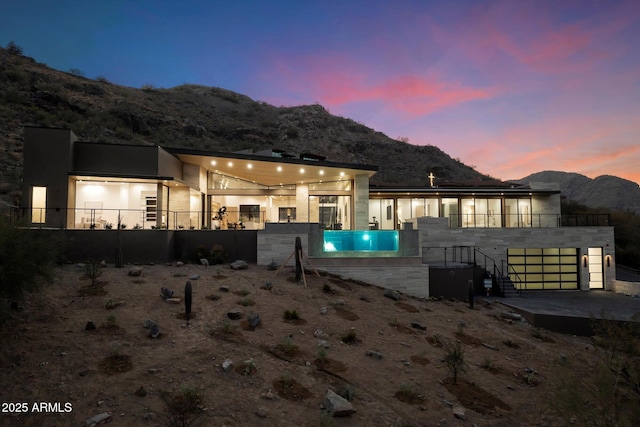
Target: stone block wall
(494, 242)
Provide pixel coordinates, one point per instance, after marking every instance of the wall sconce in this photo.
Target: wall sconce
(608, 260)
(585, 261)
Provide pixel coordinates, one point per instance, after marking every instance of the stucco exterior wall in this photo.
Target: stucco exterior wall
(127, 160)
(48, 157)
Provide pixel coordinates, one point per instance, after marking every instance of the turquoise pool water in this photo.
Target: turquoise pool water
(360, 240)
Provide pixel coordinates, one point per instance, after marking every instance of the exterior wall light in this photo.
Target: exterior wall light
(608, 260)
(585, 261)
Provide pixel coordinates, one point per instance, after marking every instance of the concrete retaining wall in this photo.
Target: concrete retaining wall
(626, 288)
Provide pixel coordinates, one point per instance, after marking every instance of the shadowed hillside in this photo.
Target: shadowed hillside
(193, 116)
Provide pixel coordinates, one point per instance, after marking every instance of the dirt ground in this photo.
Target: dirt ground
(48, 356)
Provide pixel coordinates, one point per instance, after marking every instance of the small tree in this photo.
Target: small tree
(25, 256)
(455, 360)
(14, 49)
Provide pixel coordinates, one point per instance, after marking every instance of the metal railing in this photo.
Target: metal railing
(527, 221)
(138, 219)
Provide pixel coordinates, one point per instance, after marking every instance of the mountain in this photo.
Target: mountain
(193, 116)
(605, 191)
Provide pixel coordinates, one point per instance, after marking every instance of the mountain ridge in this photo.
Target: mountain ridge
(198, 117)
(604, 191)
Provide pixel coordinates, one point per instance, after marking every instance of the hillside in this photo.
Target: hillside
(193, 116)
(605, 191)
(386, 356)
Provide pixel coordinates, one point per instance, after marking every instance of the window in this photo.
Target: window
(286, 214)
(38, 205)
(249, 213)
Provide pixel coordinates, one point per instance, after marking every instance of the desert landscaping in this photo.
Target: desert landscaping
(261, 349)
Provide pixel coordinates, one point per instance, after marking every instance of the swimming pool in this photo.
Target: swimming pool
(360, 240)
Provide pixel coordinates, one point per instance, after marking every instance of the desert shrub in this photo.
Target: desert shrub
(455, 360)
(610, 395)
(290, 315)
(288, 347)
(25, 256)
(246, 302)
(183, 407)
(92, 271)
(350, 337)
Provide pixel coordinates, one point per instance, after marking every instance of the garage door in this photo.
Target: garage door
(543, 268)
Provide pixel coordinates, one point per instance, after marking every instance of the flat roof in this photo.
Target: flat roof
(461, 191)
(271, 171)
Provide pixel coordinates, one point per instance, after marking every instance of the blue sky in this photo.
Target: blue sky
(510, 87)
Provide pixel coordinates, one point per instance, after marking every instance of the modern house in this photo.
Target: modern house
(383, 234)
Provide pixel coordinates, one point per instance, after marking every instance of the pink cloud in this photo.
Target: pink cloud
(336, 82)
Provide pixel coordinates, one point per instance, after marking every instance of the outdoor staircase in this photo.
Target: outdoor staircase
(508, 288)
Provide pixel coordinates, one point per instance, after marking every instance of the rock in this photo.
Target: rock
(374, 353)
(272, 266)
(394, 295)
(234, 314)
(323, 310)
(194, 277)
(318, 333)
(268, 395)
(173, 300)
(459, 413)
(417, 325)
(81, 266)
(267, 285)
(227, 365)
(224, 289)
(239, 265)
(261, 412)
(166, 293)
(490, 347)
(103, 264)
(153, 370)
(323, 344)
(148, 324)
(135, 271)
(254, 320)
(90, 326)
(204, 262)
(337, 405)
(154, 331)
(103, 418)
(141, 392)
(512, 316)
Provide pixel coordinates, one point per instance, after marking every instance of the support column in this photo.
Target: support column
(361, 202)
(302, 203)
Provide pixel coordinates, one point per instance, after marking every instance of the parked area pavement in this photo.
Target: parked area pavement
(573, 312)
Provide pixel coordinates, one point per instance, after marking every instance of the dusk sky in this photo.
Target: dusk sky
(511, 87)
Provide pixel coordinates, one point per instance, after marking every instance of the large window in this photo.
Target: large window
(39, 205)
(517, 212)
(543, 268)
(249, 213)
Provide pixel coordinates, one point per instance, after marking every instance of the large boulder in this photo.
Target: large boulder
(337, 405)
(239, 265)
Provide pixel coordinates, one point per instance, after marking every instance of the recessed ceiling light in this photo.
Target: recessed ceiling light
(301, 170)
(230, 164)
(279, 169)
(341, 173)
(321, 172)
(249, 166)
(213, 162)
